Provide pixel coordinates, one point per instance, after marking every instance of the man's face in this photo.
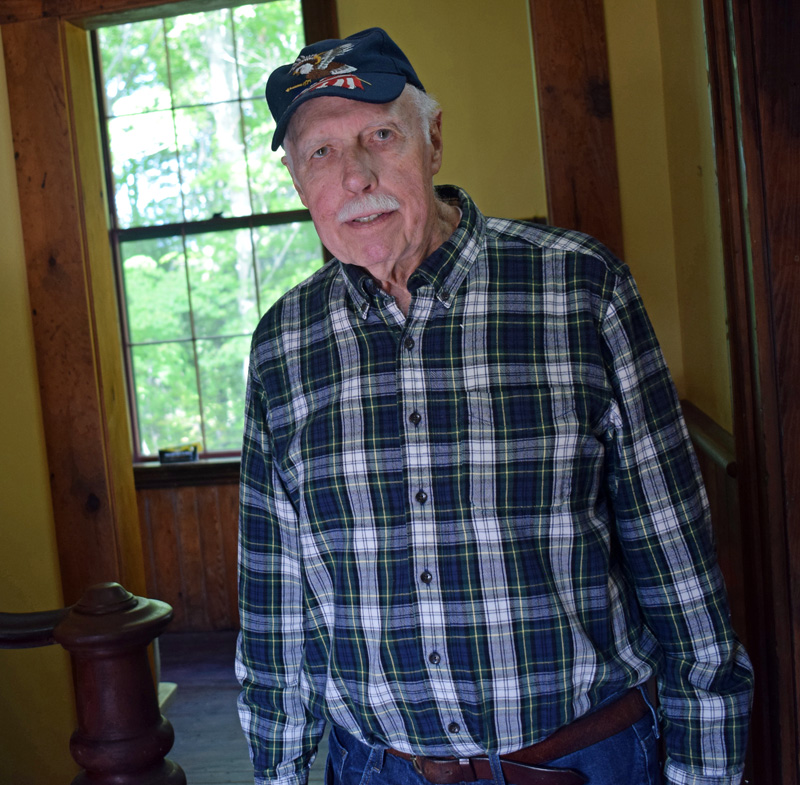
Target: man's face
(365, 173)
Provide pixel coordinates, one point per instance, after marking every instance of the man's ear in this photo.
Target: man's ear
(286, 161)
(436, 142)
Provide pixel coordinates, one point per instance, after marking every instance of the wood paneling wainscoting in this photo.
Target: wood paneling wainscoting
(189, 519)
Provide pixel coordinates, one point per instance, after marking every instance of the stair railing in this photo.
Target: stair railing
(122, 738)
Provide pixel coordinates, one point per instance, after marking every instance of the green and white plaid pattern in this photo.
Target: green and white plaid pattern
(464, 528)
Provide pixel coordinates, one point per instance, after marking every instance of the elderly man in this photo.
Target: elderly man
(472, 526)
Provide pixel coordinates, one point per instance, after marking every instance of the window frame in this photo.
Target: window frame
(319, 20)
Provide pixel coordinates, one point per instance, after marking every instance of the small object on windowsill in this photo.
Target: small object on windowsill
(183, 454)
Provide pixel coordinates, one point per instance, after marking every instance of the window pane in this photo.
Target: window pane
(189, 140)
(156, 292)
(223, 375)
(201, 58)
(213, 167)
(223, 288)
(285, 256)
(135, 67)
(267, 36)
(270, 182)
(145, 164)
(167, 402)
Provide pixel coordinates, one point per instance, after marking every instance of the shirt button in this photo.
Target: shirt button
(426, 577)
(421, 497)
(415, 418)
(454, 727)
(409, 343)
(434, 658)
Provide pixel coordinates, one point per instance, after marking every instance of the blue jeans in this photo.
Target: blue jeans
(628, 758)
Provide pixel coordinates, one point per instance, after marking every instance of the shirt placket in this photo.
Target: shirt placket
(418, 465)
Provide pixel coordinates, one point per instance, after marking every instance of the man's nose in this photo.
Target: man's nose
(358, 174)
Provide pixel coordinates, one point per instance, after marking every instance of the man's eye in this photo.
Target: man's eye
(321, 153)
(383, 133)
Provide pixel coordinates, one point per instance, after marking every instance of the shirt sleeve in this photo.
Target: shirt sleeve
(664, 527)
(282, 735)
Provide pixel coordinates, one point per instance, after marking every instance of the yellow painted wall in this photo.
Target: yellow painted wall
(668, 188)
(37, 712)
(695, 209)
(637, 97)
(475, 57)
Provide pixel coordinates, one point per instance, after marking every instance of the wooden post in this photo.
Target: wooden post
(755, 93)
(71, 285)
(122, 738)
(580, 155)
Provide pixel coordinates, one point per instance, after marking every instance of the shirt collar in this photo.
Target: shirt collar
(444, 269)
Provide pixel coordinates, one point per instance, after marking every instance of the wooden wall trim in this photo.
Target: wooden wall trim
(712, 438)
(320, 20)
(754, 78)
(195, 474)
(94, 13)
(319, 16)
(87, 443)
(577, 126)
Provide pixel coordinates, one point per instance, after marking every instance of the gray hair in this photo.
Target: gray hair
(427, 108)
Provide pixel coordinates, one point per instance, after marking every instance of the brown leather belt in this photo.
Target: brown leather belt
(523, 767)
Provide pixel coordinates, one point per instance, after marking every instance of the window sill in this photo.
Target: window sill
(214, 471)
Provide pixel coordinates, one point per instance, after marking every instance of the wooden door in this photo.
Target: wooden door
(755, 79)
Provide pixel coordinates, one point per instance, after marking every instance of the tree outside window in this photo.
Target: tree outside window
(206, 224)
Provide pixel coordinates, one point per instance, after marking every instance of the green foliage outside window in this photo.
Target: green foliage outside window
(189, 133)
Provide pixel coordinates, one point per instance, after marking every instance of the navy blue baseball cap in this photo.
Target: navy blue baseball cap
(366, 66)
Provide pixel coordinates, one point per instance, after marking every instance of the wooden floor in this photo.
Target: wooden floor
(209, 744)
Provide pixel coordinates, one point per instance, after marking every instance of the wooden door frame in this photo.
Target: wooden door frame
(755, 85)
(756, 107)
(577, 124)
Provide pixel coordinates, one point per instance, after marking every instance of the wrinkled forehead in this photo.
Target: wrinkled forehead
(328, 113)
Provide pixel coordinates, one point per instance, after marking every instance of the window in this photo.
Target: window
(206, 226)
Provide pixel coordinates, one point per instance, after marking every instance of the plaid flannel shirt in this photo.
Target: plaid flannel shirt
(464, 528)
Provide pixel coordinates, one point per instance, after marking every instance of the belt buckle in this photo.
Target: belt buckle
(419, 761)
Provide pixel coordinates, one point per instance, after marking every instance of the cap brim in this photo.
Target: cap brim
(380, 88)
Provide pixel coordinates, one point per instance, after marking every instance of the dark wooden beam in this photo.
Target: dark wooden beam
(319, 16)
(320, 20)
(775, 146)
(577, 125)
(98, 13)
(20, 10)
(754, 80)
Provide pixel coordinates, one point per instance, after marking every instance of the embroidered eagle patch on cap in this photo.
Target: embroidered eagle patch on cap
(321, 65)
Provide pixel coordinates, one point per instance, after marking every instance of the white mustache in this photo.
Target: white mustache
(367, 205)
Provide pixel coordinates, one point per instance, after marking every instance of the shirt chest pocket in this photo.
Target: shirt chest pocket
(521, 446)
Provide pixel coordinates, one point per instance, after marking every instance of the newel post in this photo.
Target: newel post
(122, 737)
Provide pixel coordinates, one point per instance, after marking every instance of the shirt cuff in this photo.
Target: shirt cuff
(675, 774)
(298, 779)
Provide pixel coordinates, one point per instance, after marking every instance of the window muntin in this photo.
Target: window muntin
(207, 228)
